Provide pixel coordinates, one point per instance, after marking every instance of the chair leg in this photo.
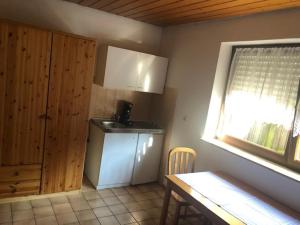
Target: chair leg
(177, 214)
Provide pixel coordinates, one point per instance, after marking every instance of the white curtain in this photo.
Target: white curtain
(262, 94)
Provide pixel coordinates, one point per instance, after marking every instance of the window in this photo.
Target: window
(261, 113)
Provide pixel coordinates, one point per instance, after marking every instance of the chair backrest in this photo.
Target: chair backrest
(181, 160)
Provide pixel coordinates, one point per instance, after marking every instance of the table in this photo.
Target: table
(225, 200)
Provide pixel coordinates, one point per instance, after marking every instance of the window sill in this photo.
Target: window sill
(253, 158)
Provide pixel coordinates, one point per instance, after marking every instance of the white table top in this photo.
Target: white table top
(240, 200)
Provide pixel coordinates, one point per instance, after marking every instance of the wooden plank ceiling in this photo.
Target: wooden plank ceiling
(171, 12)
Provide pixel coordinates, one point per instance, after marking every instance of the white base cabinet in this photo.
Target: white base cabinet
(147, 158)
(121, 159)
(117, 159)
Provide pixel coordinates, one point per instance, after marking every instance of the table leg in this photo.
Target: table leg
(164, 212)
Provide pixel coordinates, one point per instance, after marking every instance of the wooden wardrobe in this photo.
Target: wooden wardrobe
(45, 86)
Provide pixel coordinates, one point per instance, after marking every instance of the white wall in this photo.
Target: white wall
(73, 18)
(193, 51)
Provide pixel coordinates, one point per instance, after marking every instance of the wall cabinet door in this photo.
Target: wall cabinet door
(121, 69)
(153, 71)
(117, 159)
(147, 159)
(71, 72)
(130, 70)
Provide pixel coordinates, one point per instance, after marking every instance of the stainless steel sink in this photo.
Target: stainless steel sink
(112, 124)
(133, 125)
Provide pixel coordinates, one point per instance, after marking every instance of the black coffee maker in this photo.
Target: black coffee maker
(123, 112)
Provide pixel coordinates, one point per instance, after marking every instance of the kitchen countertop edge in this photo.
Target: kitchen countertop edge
(127, 129)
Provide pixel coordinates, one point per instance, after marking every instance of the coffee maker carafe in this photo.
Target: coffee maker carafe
(123, 112)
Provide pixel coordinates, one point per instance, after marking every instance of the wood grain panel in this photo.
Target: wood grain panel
(20, 173)
(87, 2)
(72, 67)
(238, 10)
(175, 9)
(117, 4)
(149, 6)
(19, 188)
(102, 3)
(212, 9)
(20, 180)
(24, 75)
(172, 8)
(132, 6)
(167, 12)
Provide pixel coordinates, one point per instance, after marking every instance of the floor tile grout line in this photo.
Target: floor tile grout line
(54, 211)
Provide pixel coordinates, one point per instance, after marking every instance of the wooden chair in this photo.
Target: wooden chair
(182, 160)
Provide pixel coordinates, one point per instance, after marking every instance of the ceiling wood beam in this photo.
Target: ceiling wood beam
(147, 7)
(234, 14)
(117, 4)
(207, 7)
(171, 12)
(101, 3)
(171, 7)
(230, 13)
(182, 9)
(134, 5)
(87, 2)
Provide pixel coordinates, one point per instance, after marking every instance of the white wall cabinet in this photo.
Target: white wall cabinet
(120, 69)
(130, 70)
(120, 159)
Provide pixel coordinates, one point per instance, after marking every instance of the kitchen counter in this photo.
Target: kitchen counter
(110, 126)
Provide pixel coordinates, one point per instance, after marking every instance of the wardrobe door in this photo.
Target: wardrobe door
(24, 74)
(71, 73)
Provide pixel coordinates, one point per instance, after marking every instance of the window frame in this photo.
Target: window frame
(292, 162)
(288, 158)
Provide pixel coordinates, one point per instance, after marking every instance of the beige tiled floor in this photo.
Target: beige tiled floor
(137, 205)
